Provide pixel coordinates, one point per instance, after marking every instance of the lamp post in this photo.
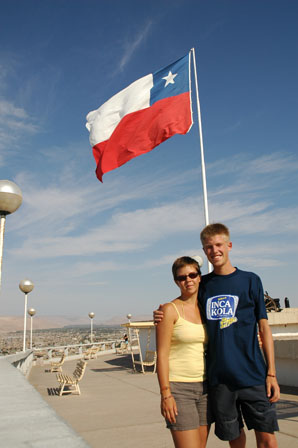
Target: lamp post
(198, 259)
(129, 316)
(10, 200)
(91, 315)
(25, 286)
(31, 313)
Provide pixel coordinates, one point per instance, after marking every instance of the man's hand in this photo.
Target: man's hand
(272, 387)
(158, 315)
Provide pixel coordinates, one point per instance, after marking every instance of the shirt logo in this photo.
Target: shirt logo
(222, 308)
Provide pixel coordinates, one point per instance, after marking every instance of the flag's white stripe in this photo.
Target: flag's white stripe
(102, 122)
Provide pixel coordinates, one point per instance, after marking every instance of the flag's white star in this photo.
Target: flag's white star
(170, 78)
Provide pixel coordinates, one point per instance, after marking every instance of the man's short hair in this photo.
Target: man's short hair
(214, 229)
(184, 261)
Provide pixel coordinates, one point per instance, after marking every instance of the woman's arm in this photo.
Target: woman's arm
(164, 332)
(273, 392)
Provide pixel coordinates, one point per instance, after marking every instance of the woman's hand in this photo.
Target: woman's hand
(169, 408)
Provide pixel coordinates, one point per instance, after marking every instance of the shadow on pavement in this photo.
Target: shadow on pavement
(289, 390)
(120, 362)
(53, 390)
(286, 409)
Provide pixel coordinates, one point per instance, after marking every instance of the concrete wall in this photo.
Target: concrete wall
(21, 361)
(286, 359)
(285, 321)
(284, 327)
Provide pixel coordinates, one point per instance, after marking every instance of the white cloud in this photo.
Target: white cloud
(243, 165)
(15, 123)
(7, 108)
(273, 222)
(233, 127)
(274, 162)
(53, 216)
(64, 204)
(131, 46)
(24, 112)
(128, 231)
(264, 177)
(136, 230)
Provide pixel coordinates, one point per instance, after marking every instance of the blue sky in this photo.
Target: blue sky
(108, 248)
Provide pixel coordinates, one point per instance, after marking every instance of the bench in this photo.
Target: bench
(91, 353)
(71, 382)
(57, 366)
(123, 348)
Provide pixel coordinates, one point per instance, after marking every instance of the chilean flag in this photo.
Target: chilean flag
(140, 117)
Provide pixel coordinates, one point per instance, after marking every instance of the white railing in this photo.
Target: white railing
(73, 351)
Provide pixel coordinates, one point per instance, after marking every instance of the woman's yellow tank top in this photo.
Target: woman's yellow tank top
(187, 358)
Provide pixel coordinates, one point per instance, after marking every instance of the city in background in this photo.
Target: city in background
(12, 342)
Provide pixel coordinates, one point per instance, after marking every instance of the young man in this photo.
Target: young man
(241, 383)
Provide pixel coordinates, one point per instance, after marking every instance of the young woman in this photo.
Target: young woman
(181, 370)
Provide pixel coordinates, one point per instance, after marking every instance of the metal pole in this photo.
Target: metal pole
(2, 228)
(25, 322)
(202, 148)
(91, 336)
(31, 333)
(10, 201)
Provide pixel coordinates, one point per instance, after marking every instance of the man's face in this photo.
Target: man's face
(217, 250)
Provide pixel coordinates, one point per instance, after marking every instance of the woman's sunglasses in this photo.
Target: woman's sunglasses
(182, 278)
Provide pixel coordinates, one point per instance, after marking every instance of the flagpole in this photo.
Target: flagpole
(206, 212)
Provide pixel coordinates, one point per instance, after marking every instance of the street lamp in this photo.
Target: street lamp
(10, 200)
(198, 259)
(25, 286)
(31, 313)
(91, 315)
(129, 316)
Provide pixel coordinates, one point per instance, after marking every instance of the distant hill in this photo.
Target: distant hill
(16, 323)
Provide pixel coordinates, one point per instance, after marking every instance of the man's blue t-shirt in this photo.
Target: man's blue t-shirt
(233, 304)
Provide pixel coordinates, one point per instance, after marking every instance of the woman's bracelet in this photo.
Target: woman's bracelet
(165, 398)
(272, 376)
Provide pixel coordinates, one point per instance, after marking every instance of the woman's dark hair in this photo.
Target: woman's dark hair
(184, 261)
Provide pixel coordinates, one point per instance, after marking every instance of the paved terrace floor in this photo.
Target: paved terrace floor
(118, 407)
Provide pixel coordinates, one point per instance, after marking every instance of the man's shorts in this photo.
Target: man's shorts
(193, 405)
(252, 402)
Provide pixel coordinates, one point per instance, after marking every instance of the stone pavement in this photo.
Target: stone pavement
(118, 407)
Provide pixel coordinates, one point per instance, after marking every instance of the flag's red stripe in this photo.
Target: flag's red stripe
(139, 132)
